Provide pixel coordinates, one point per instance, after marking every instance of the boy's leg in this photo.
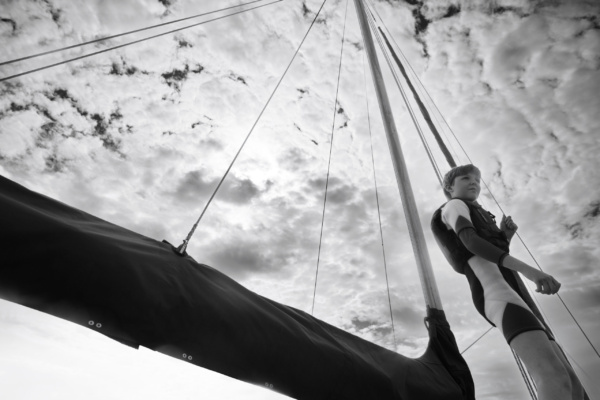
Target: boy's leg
(544, 365)
(576, 386)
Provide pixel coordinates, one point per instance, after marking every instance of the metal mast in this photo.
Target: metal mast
(430, 291)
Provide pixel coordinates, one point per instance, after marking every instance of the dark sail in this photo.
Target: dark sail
(133, 289)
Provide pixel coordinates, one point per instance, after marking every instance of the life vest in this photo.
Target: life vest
(453, 249)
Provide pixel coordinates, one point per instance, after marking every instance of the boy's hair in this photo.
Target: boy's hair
(458, 171)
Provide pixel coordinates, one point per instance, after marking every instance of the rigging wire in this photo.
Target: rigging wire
(29, 57)
(387, 282)
(405, 98)
(335, 109)
(421, 86)
(528, 381)
(420, 104)
(181, 249)
(6, 78)
(406, 101)
(424, 88)
(477, 340)
(494, 198)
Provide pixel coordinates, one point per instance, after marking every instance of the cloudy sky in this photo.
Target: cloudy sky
(140, 136)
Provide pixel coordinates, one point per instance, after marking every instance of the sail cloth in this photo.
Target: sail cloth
(136, 290)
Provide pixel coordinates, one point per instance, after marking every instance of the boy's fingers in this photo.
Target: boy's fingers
(550, 285)
(510, 224)
(539, 287)
(543, 286)
(546, 288)
(555, 286)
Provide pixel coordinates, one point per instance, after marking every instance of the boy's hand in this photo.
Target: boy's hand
(546, 284)
(508, 226)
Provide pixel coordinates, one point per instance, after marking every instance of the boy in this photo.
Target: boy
(475, 246)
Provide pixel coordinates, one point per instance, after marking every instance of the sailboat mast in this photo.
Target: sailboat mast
(429, 286)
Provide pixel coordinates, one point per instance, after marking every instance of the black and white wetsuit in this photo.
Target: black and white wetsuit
(475, 246)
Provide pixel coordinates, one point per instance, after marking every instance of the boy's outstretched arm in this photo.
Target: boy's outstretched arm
(545, 283)
(457, 216)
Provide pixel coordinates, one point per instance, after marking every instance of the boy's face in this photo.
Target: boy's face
(465, 187)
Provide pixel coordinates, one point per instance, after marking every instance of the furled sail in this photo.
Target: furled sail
(136, 290)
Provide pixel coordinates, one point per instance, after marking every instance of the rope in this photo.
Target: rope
(477, 340)
(335, 106)
(528, 382)
(422, 107)
(130, 43)
(181, 249)
(407, 102)
(119, 35)
(387, 282)
(421, 86)
(405, 98)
